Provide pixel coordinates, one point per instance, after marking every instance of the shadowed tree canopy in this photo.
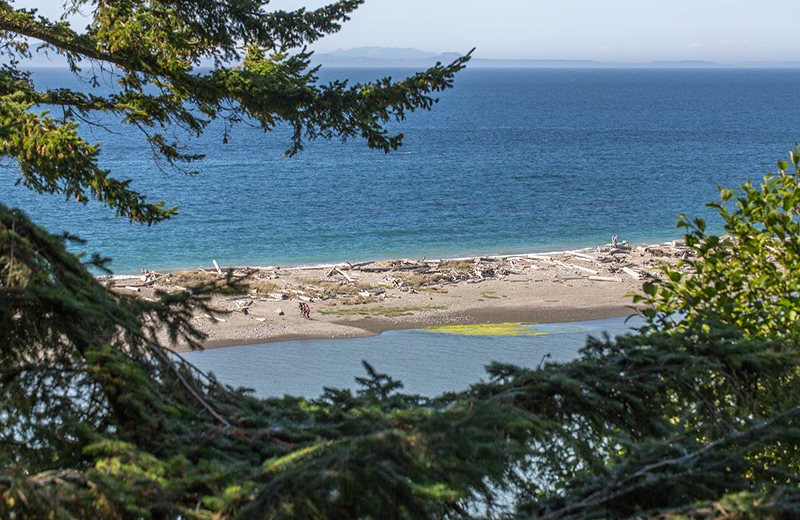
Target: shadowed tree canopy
(687, 419)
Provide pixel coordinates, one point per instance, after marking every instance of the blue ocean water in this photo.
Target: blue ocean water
(508, 161)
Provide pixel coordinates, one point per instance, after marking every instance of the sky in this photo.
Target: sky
(605, 30)
(618, 30)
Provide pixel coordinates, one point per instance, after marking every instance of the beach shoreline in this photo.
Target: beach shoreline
(555, 248)
(372, 327)
(357, 300)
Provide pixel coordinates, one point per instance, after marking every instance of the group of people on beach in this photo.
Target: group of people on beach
(305, 310)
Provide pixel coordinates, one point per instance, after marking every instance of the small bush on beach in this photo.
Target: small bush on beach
(419, 281)
(189, 279)
(262, 286)
(211, 283)
(328, 288)
(203, 281)
(460, 266)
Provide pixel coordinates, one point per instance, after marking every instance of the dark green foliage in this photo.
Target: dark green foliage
(697, 419)
(659, 423)
(747, 278)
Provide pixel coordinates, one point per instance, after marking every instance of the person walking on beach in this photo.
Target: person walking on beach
(302, 308)
(307, 311)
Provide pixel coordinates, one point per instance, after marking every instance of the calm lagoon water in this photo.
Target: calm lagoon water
(509, 161)
(427, 363)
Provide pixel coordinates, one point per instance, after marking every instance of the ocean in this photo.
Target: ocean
(508, 161)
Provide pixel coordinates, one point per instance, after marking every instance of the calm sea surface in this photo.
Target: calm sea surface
(509, 161)
(427, 363)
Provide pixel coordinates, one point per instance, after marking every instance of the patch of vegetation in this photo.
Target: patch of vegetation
(357, 300)
(333, 288)
(458, 265)
(329, 288)
(462, 268)
(262, 286)
(389, 312)
(417, 281)
(188, 279)
(203, 281)
(213, 284)
(492, 295)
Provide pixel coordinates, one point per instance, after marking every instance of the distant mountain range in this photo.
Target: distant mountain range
(390, 57)
(382, 57)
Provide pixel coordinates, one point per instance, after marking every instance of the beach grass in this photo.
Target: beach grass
(491, 295)
(419, 281)
(195, 280)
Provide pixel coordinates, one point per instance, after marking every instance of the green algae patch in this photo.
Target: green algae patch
(489, 329)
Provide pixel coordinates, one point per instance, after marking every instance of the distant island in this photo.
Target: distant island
(391, 57)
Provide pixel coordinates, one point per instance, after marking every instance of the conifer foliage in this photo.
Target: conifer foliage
(690, 419)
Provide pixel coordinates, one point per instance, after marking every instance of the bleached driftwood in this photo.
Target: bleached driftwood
(346, 277)
(574, 266)
(351, 265)
(151, 277)
(604, 279)
(216, 267)
(581, 256)
(633, 274)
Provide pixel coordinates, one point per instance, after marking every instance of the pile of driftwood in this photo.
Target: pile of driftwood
(409, 275)
(612, 262)
(608, 263)
(250, 279)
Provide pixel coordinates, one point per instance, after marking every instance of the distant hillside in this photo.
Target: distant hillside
(389, 57)
(382, 57)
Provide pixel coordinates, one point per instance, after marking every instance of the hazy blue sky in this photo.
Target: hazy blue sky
(619, 30)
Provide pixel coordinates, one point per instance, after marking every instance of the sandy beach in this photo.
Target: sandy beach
(349, 300)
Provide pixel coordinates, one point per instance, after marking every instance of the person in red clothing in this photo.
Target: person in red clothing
(308, 311)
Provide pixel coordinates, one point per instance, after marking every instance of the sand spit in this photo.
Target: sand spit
(349, 300)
